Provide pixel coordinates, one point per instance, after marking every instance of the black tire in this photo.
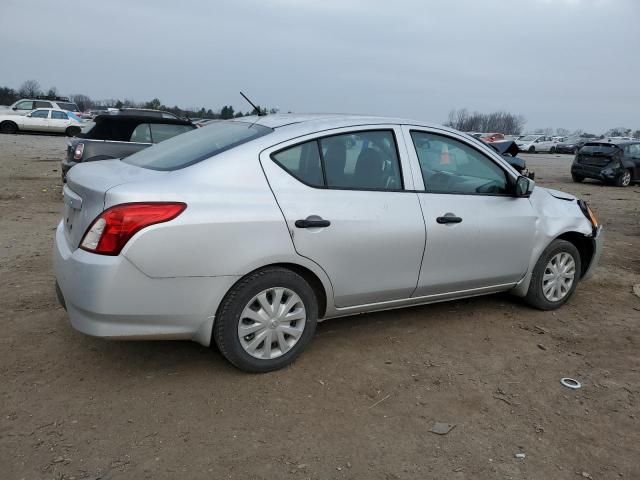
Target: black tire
(72, 131)
(532, 149)
(577, 178)
(8, 127)
(624, 179)
(225, 328)
(552, 150)
(535, 295)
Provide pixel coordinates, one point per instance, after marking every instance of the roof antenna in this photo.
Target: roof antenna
(256, 110)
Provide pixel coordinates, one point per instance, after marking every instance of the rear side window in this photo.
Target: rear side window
(366, 160)
(161, 132)
(71, 107)
(41, 104)
(196, 145)
(303, 162)
(141, 134)
(56, 115)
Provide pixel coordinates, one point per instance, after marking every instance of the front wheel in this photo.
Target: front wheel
(8, 127)
(555, 276)
(577, 178)
(532, 149)
(553, 150)
(624, 179)
(266, 320)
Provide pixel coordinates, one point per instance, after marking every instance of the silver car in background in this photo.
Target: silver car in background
(245, 233)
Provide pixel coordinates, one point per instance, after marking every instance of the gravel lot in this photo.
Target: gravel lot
(358, 404)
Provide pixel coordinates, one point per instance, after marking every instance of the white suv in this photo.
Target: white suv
(26, 105)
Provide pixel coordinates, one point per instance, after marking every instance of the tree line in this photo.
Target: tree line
(32, 89)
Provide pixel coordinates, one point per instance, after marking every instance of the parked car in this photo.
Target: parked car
(509, 150)
(146, 112)
(47, 120)
(570, 145)
(26, 105)
(119, 135)
(536, 143)
(245, 232)
(613, 163)
(492, 137)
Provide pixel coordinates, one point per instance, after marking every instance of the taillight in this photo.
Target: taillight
(114, 227)
(77, 153)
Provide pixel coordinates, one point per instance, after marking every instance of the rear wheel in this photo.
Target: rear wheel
(266, 320)
(624, 179)
(72, 131)
(532, 149)
(8, 127)
(577, 178)
(553, 150)
(555, 276)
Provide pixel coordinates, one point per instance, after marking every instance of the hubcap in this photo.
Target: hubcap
(272, 323)
(558, 277)
(626, 178)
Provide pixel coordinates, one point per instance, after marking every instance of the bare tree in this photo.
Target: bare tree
(502, 122)
(30, 89)
(83, 101)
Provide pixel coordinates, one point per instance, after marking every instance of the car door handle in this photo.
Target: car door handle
(312, 222)
(448, 218)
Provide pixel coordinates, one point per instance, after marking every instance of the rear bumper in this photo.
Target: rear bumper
(606, 173)
(109, 297)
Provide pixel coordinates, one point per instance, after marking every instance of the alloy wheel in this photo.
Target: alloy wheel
(559, 275)
(626, 178)
(271, 323)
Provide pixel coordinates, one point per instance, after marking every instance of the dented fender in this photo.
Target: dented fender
(558, 214)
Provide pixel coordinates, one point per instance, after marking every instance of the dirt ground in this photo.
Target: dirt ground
(359, 404)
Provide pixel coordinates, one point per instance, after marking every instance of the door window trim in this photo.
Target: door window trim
(508, 175)
(324, 176)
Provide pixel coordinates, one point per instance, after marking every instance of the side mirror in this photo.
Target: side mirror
(14, 108)
(524, 186)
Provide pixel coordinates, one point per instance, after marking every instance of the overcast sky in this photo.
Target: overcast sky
(560, 63)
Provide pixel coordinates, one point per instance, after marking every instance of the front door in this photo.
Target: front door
(37, 121)
(350, 209)
(478, 235)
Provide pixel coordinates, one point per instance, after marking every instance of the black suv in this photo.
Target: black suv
(613, 163)
(121, 134)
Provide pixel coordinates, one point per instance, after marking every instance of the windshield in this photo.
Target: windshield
(528, 138)
(197, 145)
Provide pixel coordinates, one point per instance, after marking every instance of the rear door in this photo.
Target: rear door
(478, 235)
(348, 202)
(59, 121)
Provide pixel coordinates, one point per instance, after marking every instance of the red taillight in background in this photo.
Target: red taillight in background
(113, 228)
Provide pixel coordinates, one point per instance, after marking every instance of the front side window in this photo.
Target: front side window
(366, 160)
(57, 115)
(161, 132)
(40, 114)
(26, 105)
(451, 166)
(141, 134)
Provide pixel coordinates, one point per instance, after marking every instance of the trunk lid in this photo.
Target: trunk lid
(86, 188)
(598, 154)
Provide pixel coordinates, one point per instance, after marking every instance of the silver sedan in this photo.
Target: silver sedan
(245, 233)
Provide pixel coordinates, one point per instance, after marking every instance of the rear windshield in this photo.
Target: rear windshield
(197, 145)
(72, 107)
(598, 149)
